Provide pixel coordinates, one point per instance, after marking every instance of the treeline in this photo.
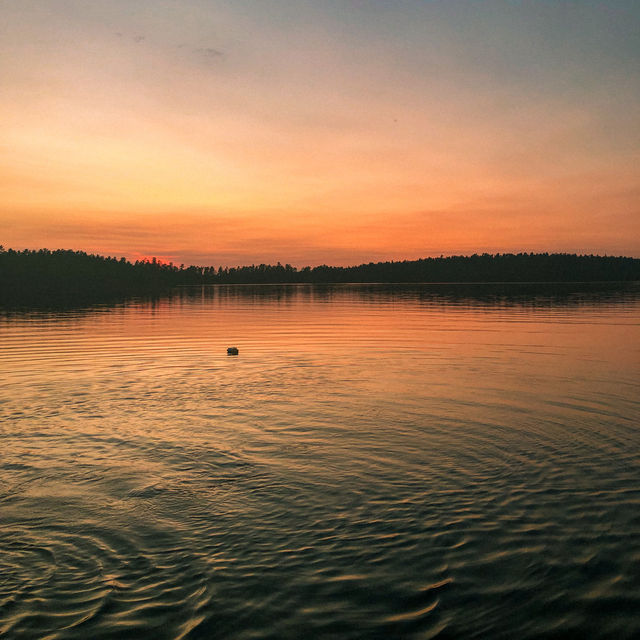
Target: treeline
(31, 276)
(49, 276)
(505, 267)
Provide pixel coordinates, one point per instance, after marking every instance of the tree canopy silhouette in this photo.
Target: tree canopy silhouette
(506, 267)
(43, 275)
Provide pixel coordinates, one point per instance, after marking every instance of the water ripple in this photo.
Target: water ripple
(372, 465)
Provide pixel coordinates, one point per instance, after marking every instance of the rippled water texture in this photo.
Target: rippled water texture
(375, 463)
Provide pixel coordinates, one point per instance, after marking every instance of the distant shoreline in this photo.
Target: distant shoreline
(33, 277)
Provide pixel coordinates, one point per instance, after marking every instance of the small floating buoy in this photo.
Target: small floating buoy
(232, 351)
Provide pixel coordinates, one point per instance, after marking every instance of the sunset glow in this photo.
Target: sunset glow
(210, 132)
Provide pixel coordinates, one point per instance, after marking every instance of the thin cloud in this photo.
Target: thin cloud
(209, 53)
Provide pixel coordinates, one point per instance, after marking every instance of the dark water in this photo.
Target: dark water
(376, 463)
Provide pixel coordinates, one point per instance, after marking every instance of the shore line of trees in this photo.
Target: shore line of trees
(32, 275)
(505, 267)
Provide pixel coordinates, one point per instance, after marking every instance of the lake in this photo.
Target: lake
(377, 462)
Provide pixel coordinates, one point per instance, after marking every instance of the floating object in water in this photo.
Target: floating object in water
(232, 351)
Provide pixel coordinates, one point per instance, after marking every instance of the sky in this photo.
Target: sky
(319, 131)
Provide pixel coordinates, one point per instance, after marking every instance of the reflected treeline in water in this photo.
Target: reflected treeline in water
(46, 278)
(488, 293)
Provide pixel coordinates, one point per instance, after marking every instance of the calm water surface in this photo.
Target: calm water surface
(376, 463)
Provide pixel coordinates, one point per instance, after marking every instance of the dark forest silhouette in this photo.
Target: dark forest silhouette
(31, 276)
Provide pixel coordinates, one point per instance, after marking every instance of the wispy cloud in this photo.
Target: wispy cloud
(210, 53)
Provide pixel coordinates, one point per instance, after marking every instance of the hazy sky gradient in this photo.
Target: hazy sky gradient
(319, 131)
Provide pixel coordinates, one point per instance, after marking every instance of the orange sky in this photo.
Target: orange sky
(227, 133)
